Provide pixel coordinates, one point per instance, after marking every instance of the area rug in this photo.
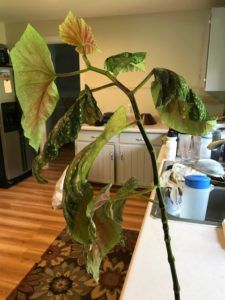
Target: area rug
(60, 274)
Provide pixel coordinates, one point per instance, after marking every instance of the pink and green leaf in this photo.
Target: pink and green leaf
(74, 31)
(34, 81)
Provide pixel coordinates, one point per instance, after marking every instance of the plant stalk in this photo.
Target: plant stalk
(164, 220)
(143, 82)
(156, 180)
(102, 87)
(69, 74)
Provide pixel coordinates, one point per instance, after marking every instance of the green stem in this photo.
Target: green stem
(164, 220)
(102, 87)
(74, 73)
(143, 82)
(87, 62)
(151, 151)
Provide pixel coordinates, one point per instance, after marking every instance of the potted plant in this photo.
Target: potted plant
(95, 220)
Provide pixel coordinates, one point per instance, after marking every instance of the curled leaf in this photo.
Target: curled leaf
(76, 176)
(84, 110)
(74, 31)
(125, 62)
(82, 216)
(34, 81)
(178, 106)
(107, 223)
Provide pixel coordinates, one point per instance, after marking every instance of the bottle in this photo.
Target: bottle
(185, 147)
(195, 197)
(195, 147)
(204, 151)
(171, 145)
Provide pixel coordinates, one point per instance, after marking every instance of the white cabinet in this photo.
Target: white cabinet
(134, 160)
(123, 157)
(103, 167)
(215, 74)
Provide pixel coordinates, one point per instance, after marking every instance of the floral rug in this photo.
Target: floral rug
(61, 275)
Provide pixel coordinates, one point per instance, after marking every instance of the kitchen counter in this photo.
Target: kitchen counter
(157, 128)
(199, 251)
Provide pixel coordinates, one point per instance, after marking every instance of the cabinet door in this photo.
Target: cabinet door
(134, 161)
(102, 170)
(215, 76)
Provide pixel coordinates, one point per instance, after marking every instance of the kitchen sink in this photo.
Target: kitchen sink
(215, 213)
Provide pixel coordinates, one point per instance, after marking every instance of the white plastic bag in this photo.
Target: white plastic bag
(58, 193)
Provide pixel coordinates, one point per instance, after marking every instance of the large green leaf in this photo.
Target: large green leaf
(125, 62)
(78, 198)
(84, 110)
(178, 106)
(34, 80)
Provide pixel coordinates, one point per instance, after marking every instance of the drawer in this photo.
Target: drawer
(90, 136)
(136, 138)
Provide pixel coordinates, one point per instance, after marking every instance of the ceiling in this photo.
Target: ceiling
(32, 10)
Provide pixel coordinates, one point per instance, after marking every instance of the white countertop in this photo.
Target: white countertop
(157, 128)
(199, 251)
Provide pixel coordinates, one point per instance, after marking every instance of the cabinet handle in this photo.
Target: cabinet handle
(93, 137)
(139, 140)
(111, 156)
(121, 155)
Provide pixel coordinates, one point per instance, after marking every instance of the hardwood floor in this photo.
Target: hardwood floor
(28, 224)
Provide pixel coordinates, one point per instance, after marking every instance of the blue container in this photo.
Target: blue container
(195, 197)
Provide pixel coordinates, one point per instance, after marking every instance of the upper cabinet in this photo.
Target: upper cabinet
(215, 74)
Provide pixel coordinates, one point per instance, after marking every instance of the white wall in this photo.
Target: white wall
(2, 33)
(175, 40)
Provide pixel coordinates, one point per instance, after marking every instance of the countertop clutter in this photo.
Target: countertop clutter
(199, 251)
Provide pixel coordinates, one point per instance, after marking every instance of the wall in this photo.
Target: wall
(2, 33)
(176, 40)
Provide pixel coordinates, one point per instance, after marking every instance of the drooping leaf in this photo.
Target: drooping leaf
(84, 110)
(108, 234)
(125, 62)
(76, 177)
(178, 106)
(107, 221)
(82, 210)
(74, 31)
(120, 198)
(34, 80)
(99, 199)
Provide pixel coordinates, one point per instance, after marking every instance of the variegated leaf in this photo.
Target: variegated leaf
(125, 62)
(74, 31)
(34, 80)
(178, 106)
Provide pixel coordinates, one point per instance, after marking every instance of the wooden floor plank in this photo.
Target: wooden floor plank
(28, 224)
